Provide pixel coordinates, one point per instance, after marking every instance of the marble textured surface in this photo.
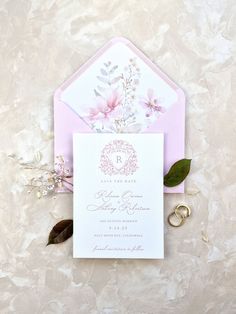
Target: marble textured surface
(42, 44)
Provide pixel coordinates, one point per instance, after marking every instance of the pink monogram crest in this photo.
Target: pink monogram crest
(118, 157)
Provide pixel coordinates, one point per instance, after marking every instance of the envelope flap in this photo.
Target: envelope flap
(119, 89)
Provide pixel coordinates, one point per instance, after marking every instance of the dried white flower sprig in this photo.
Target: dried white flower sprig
(47, 181)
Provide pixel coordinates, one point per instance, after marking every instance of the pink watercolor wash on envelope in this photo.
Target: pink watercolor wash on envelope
(91, 102)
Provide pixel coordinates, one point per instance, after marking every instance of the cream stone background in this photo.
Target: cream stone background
(41, 44)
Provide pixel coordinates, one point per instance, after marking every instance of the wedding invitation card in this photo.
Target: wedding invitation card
(118, 196)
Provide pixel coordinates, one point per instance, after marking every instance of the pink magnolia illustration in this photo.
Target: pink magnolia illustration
(105, 107)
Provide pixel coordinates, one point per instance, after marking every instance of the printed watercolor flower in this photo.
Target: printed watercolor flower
(105, 107)
(151, 104)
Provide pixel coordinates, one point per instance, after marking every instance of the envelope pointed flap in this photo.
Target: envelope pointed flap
(119, 90)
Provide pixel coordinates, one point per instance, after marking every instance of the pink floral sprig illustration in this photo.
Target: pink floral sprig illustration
(130, 81)
(151, 104)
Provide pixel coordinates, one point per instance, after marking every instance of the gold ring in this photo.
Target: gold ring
(183, 210)
(180, 218)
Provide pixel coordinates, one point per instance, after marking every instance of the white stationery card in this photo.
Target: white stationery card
(118, 196)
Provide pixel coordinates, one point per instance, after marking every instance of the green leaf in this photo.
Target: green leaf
(62, 231)
(177, 173)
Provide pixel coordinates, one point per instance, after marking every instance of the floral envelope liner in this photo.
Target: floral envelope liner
(119, 92)
(117, 106)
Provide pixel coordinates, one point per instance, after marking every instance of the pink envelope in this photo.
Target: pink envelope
(158, 104)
